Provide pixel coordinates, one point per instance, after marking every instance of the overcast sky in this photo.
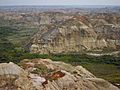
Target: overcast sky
(59, 2)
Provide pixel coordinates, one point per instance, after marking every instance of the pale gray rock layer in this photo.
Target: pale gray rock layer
(13, 77)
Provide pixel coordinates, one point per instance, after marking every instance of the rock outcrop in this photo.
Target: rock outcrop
(73, 35)
(12, 77)
(77, 34)
(44, 74)
(63, 30)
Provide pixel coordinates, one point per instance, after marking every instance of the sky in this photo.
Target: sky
(59, 2)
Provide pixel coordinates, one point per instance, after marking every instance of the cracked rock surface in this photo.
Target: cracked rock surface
(45, 74)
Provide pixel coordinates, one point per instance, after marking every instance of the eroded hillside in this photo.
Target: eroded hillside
(44, 74)
(79, 33)
(63, 30)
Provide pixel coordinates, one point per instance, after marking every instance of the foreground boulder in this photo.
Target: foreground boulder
(44, 74)
(13, 77)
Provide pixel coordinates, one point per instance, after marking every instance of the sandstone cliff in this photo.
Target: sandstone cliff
(44, 74)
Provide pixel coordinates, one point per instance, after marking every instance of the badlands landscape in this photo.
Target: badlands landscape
(59, 48)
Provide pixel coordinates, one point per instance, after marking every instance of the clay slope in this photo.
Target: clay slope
(79, 33)
(44, 74)
(73, 35)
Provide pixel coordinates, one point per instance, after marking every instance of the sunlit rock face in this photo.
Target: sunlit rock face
(73, 35)
(94, 32)
(45, 74)
(13, 77)
(66, 31)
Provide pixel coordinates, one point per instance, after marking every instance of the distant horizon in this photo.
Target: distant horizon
(58, 2)
(58, 5)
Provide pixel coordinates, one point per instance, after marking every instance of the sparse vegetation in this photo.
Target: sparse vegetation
(41, 69)
(107, 67)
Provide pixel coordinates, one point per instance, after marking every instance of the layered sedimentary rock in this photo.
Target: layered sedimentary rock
(77, 34)
(64, 30)
(44, 74)
(73, 35)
